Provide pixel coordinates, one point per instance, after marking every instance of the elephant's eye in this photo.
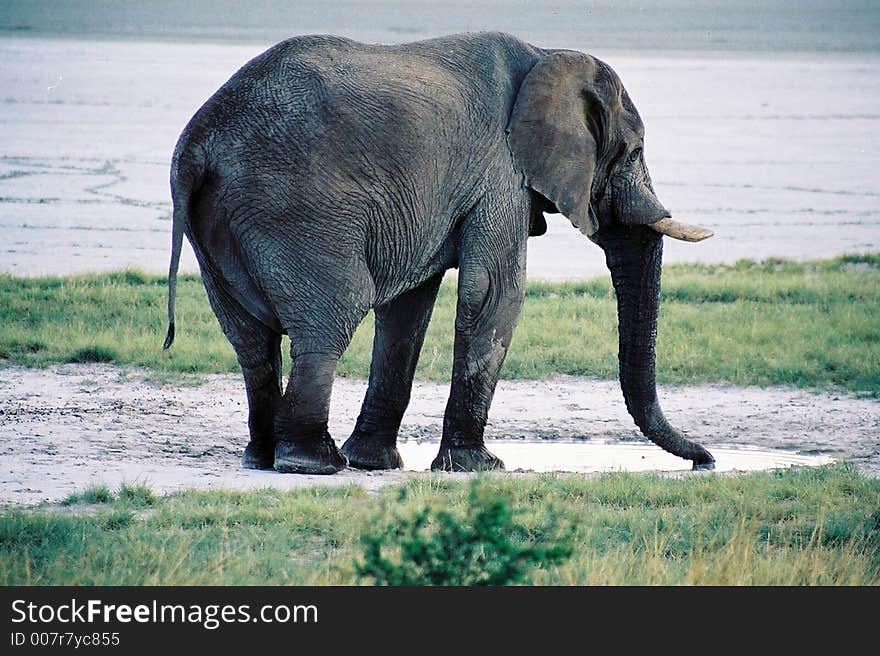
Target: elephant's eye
(635, 155)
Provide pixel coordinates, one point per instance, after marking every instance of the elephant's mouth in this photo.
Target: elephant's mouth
(682, 231)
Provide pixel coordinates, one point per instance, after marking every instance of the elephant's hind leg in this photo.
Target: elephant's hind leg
(258, 350)
(400, 333)
(263, 385)
(303, 443)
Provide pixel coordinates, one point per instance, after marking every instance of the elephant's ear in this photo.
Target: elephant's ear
(552, 133)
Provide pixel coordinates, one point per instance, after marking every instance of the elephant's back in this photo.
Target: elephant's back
(308, 89)
(321, 125)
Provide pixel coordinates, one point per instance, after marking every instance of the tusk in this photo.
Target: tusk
(681, 231)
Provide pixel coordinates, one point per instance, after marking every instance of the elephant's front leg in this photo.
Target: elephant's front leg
(489, 302)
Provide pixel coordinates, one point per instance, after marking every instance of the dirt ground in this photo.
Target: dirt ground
(70, 426)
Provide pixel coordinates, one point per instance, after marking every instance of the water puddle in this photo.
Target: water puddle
(584, 457)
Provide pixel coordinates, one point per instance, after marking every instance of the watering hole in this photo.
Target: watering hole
(68, 427)
(590, 457)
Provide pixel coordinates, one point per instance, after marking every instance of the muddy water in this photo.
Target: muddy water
(589, 457)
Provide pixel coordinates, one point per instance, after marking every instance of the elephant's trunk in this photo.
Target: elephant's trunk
(634, 260)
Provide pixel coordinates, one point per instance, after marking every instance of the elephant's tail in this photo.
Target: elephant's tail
(176, 246)
(185, 179)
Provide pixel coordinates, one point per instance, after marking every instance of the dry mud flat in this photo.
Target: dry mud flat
(71, 426)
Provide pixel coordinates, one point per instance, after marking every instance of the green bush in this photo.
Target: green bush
(481, 546)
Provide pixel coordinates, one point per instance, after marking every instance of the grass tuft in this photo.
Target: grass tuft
(94, 494)
(139, 496)
(93, 354)
(118, 519)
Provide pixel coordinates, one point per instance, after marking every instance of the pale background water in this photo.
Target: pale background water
(763, 122)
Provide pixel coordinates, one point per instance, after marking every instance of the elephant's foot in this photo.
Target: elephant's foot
(366, 452)
(465, 458)
(312, 456)
(258, 455)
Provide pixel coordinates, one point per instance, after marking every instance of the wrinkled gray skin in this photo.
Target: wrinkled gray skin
(328, 177)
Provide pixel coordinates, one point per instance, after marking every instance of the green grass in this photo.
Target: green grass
(790, 527)
(811, 324)
(139, 496)
(94, 494)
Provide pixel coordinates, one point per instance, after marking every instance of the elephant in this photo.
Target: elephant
(329, 177)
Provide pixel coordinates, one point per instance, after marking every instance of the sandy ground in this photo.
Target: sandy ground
(71, 426)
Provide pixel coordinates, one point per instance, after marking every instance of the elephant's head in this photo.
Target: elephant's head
(577, 138)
